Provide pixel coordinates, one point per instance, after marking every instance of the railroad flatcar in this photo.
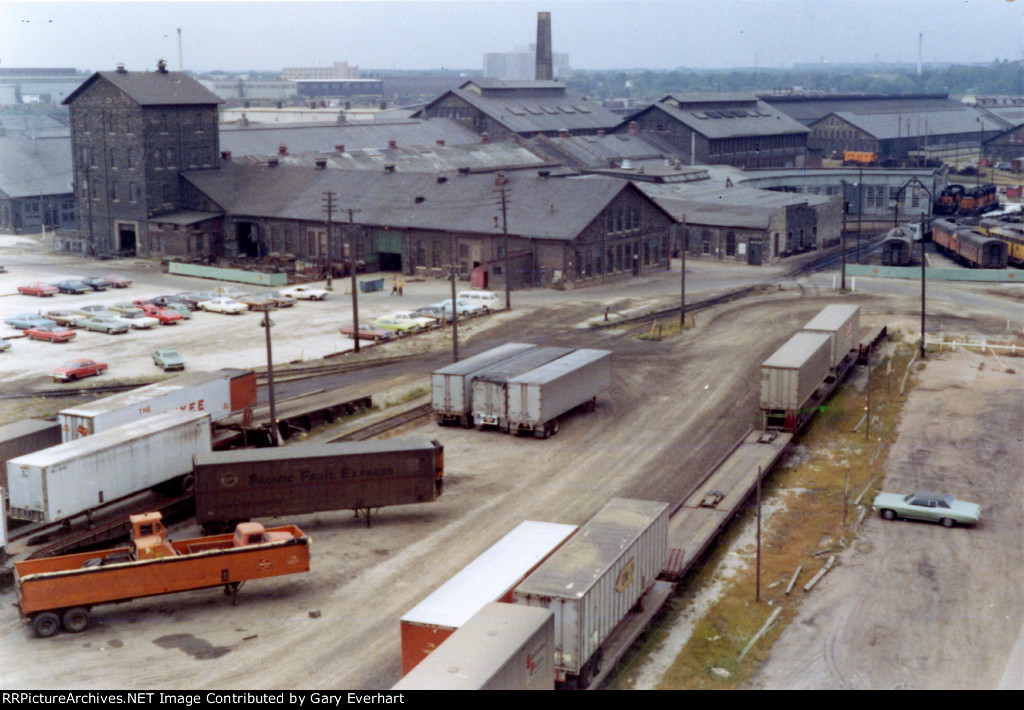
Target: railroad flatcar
(968, 246)
(898, 246)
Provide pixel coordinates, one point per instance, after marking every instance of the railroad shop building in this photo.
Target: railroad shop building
(560, 231)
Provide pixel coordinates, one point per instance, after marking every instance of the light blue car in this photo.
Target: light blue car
(926, 505)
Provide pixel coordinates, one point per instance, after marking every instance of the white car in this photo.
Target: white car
(137, 320)
(421, 321)
(223, 305)
(462, 308)
(305, 293)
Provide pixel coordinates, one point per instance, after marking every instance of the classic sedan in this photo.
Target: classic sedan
(422, 322)
(105, 324)
(24, 321)
(65, 318)
(305, 293)
(166, 316)
(367, 332)
(124, 307)
(116, 281)
(96, 283)
(282, 300)
(223, 305)
(53, 333)
(255, 303)
(137, 320)
(71, 286)
(93, 310)
(927, 505)
(398, 325)
(462, 308)
(38, 289)
(168, 360)
(434, 312)
(73, 369)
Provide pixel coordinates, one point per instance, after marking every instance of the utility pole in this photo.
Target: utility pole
(682, 278)
(275, 432)
(328, 201)
(842, 235)
(352, 254)
(500, 180)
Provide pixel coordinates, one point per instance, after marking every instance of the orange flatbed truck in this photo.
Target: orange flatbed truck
(60, 591)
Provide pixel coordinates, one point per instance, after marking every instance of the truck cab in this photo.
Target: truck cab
(149, 537)
(255, 534)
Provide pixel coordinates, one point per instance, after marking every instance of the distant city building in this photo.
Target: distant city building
(522, 64)
(337, 70)
(339, 88)
(37, 85)
(241, 89)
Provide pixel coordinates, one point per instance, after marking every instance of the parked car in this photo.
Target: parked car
(105, 324)
(182, 309)
(137, 320)
(255, 302)
(74, 369)
(116, 281)
(422, 322)
(24, 321)
(462, 308)
(38, 289)
(232, 292)
(488, 299)
(927, 505)
(65, 318)
(125, 308)
(282, 300)
(93, 310)
(96, 283)
(168, 360)
(435, 313)
(367, 332)
(4, 343)
(71, 286)
(188, 299)
(398, 325)
(305, 293)
(224, 305)
(164, 301)
(166, 316)
(50, 332)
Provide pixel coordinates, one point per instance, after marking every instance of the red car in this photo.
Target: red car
(117, 281)
(164, 315)
(73, 369)
(367, 332)
(38, 289)
(53, 333)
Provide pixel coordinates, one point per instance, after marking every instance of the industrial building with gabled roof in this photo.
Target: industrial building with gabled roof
(503, 108)
(560, 230)
(723, 129)
(36, 189)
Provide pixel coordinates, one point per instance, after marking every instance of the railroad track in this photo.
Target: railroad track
(393, 422)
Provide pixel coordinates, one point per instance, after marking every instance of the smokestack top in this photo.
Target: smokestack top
(544, 62)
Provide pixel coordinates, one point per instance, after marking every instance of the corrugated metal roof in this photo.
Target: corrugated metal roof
(40, 166)
(545, 208)
(265, 140)
(596, 152)
(924, 123)
(428, 158)
(810, 110)
(153, 88)
(728, 122)
(713, 204)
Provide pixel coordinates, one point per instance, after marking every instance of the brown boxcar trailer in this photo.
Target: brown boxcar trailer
(362, 476)
(55, 591)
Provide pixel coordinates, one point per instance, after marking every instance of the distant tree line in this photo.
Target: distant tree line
(1000, 77)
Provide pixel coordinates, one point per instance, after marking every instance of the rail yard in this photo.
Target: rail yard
(675, 409)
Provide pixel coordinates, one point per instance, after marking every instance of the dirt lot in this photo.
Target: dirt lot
(675, 407)
(914, 605)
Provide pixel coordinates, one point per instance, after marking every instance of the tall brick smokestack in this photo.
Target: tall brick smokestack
(545, 64)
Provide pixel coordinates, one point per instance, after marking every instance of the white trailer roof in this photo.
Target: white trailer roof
(555, 369)
(832, 317)
(484, 359)
(797, 350)
(144, 394)
(490, 576)
(107, 439)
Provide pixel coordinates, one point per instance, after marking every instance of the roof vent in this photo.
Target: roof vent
(321, 163)
(441, 179)
(544, 173)
(225, 155)
(389, 168)
(161, 66)
(272, 163)
(419, 198)
(392, 144)
(121, 69)
(464, 171)
(340, 147)
(485, 138)
(282, 149)
(440, 142)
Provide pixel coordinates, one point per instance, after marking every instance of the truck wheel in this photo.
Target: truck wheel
(75, 620)
(46, 624)
(187, 483)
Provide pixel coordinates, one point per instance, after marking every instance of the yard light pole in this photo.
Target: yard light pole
(923, 220)
(275, 432)
(682, 278)
(860, 205)
(842, 235)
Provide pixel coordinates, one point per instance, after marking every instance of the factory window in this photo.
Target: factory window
(730, 243)
(133, 191)
(113, 190)
(113, 157)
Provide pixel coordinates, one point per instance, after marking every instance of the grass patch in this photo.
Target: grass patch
(667, 328)
(813, 494)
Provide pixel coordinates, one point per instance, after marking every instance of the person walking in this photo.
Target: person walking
(401, 285)
(394, 284)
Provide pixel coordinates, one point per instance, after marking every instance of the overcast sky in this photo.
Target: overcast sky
(452, 34)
